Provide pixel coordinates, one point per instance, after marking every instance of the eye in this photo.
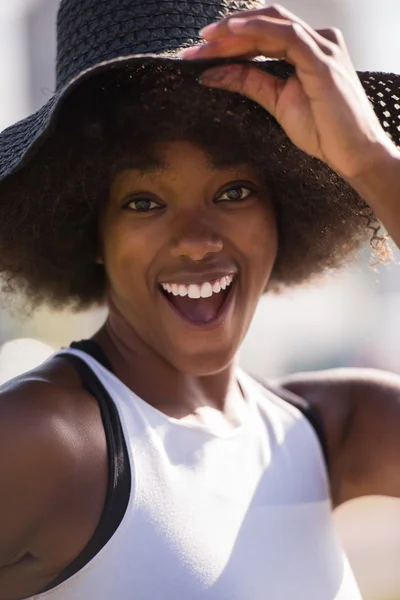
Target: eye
(142, 205)
(235, 194)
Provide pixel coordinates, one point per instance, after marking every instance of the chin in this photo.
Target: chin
(202, 362)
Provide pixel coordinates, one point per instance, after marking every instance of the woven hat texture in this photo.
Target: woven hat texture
(95, 35)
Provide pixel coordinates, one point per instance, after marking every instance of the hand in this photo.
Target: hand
(322, 108)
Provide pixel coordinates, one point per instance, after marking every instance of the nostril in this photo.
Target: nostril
(196, 249)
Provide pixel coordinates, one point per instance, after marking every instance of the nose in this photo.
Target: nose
(195, 240)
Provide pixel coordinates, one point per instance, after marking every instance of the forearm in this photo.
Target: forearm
(380, 188)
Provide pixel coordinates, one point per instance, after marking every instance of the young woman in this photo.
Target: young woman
(144, 463)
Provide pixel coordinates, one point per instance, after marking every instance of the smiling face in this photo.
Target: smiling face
(188, 247)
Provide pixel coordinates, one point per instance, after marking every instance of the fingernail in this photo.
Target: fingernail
(188, 52)
(207, 29)
(213, 76)
(236, 24)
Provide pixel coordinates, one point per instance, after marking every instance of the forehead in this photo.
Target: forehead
(164, 156)
(176, 166)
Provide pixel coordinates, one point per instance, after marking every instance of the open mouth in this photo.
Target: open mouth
(203, 303)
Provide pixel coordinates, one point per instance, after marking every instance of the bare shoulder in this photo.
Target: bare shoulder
(50, 443)
(360, 412)
(44, 410)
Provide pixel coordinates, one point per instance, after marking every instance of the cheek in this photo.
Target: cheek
(259, 238)
(126, 256)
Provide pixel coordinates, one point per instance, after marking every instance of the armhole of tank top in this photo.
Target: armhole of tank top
(306, 409)
(119, 479)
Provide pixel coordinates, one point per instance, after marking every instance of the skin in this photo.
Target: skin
(53, 456)
(189, 232)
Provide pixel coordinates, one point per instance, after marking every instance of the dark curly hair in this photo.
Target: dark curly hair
(49, 211)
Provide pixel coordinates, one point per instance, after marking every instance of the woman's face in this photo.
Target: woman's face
(176, 232)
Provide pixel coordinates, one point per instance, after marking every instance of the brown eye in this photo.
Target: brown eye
(235, 194)
(142, 205)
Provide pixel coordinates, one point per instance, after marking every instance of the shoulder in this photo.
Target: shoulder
(338, 394)
(50, 439)
(359, 410)
(46, 405)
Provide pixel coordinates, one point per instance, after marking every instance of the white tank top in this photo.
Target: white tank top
(240, 516)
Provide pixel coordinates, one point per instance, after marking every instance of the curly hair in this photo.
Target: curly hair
(50, 210)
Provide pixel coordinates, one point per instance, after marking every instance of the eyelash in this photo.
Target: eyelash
(235, 188)
(156, 205)
(159, 206)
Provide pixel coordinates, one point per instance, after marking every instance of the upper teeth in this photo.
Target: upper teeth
(201, 290)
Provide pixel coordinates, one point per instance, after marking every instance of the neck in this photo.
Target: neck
(158, 382)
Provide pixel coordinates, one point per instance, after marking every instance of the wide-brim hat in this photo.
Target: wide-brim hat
(99, 35)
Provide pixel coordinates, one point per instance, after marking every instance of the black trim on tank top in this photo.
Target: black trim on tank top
(313, 417)
(119, 473)
(91, 347)
(94, 350)
(120, 479)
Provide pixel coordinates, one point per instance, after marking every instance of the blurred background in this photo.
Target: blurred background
(349, 319)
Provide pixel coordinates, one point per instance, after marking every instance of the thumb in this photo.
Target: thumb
(261, 87)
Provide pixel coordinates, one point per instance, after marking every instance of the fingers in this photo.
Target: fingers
(335, 39)
(221, 28)
(248, 81)
(334, 35)
(270, 37)
(229, 46)
(221, 36)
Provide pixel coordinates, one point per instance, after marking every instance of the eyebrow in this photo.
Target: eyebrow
(144, 164)
(226, 163)
(154, 164)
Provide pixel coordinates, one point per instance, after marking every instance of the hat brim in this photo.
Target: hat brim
(20, 142)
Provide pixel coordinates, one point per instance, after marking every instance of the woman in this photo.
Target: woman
(144, 463)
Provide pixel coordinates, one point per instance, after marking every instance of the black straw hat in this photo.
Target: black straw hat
(96, 35)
